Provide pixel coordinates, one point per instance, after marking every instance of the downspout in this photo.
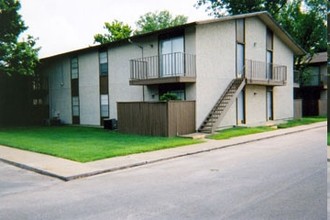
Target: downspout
(142, 56)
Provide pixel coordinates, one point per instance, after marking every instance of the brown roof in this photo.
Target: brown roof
(319, 58)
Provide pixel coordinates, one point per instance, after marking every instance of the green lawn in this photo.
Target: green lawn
(240, 131)
(88, 144)
(84, 144)
(303, 121)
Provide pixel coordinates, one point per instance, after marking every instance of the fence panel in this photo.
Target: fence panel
(156, 118)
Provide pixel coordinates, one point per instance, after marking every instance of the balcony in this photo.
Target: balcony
(168, 68)
(310, 79)
(268, 74)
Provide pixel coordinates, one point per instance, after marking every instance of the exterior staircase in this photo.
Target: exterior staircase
(221, 107)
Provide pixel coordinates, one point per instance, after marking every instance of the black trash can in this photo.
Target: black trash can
(110, 124)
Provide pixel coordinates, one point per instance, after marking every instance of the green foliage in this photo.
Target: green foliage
(84, 144)
(116, 30)
(219, 8)
(153, 21)
(304, 20)
(302, 121)
(169, 96)
(238, 131)
(16, 57)
(241, 131)
(306, 23)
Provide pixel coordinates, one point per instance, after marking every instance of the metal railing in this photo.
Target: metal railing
(310, 79)
(257, 70)
(166, 65)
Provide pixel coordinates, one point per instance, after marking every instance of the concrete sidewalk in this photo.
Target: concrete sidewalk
(69, 170)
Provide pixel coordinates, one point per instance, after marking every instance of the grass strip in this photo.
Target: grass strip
(241, 131)
(84, 144)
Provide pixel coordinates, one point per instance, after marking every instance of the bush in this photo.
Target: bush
(169, 96)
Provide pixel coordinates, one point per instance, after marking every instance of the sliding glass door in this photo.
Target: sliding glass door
(172, 57)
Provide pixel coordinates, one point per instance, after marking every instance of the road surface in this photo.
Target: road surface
(279, 178)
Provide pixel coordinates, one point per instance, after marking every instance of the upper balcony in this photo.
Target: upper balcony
(310, 79)
(267, 74)
(166, 68)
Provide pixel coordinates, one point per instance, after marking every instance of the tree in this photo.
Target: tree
(219, 8)
(117, 30)
(306, 25)
(153, 21)
(16, 57)
(305, 21)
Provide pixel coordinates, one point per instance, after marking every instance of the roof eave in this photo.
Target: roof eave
(270, 22)
(282, 34)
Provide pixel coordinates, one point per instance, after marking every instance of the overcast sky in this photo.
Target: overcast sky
(65, 25)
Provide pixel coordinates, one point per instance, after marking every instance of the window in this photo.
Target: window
(269, 70)
(239, 59)
(269, 103)
(74, 68)
(269, 39)
(178, 89)
(103, 58)
(269, 54)
(240, 102)
(172, 56)
(240, 46)
(75, 106)
(240, 29)
(313, 79)
(104, 105)
(37, 101)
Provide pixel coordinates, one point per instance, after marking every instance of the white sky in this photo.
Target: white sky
(65, 25)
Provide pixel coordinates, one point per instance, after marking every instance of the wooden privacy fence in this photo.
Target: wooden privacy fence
(297, 108)
(157, 118)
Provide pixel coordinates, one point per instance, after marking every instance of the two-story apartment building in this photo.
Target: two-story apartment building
(237, 69)
(312, 85)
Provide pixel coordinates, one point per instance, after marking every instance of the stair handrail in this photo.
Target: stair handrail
(215, 106)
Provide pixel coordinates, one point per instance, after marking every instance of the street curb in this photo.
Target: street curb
(98, 172)
(26, 167)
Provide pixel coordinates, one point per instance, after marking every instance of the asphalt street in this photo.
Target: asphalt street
(279, 178)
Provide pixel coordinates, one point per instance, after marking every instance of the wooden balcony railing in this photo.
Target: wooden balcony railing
(177, 66)
(262, 73)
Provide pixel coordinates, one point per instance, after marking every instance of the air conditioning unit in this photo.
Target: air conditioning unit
(110, 124)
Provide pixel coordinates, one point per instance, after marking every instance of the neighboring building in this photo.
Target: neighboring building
(21, 100)
(197, 61)
(312, 88)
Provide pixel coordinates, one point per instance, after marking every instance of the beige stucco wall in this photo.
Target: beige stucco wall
(215, 63)
(255, 104)
(255, 39)
(151, 91)
(215, 47)
(89, 91)
(60, 90)
(255, 49)
(216, 60)
(119, 75)
(283, 95)
(190, 48)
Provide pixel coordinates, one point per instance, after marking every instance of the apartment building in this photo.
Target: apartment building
(237, 69)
